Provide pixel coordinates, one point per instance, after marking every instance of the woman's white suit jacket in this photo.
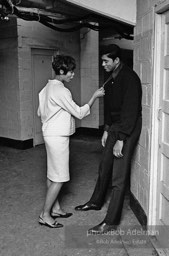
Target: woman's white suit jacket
(57, 110)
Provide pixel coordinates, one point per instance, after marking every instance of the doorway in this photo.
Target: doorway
(159, 181)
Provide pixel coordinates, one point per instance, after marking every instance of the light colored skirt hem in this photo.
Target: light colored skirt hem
(64, 179)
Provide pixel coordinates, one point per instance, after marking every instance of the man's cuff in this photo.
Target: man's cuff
(106, 127)
(121, 136)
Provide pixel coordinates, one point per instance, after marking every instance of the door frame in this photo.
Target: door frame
(156, 108)
(155, 123)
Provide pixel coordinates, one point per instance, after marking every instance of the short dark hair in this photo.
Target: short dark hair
(112, 51)
(63, 62)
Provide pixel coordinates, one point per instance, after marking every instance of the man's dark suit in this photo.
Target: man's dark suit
(123, 121)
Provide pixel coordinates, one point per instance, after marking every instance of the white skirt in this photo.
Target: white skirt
(57, 149)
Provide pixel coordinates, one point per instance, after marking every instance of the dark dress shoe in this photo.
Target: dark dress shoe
(102, 228)
(87, 207)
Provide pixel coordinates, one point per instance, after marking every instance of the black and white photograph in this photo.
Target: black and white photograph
(84, 127)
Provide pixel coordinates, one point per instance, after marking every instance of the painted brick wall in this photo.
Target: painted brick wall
(9, 85)
(18, 37)
(34, 35)
(143, 65)
(90, 74)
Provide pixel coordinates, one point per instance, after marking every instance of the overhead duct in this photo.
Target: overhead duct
(59, 19)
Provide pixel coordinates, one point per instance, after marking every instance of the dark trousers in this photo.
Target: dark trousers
(120, 175)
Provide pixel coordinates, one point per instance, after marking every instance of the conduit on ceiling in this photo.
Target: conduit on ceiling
(66, 24)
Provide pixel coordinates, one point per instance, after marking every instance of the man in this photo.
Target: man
(122, 129)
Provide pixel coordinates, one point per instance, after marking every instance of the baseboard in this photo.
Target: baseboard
(138, 210)
(81, 131)
(85, 131)
(18, 144)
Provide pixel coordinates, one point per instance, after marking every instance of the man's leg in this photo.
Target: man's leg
(120, 178)
(105, 169)
(119, 182)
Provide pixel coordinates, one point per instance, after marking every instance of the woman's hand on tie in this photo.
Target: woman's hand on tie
(99, 93)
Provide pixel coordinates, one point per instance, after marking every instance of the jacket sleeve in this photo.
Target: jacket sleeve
(129, 110)
(65, 101)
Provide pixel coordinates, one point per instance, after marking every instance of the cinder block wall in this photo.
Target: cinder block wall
(17, 39)
(89, 40)
(35, 35)
(9, 81)
(143, 65)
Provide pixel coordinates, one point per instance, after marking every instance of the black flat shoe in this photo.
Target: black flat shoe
(53, 225)
(87, 207)
(58, 215)
(102, 228)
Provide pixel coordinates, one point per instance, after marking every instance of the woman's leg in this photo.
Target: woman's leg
(48, 182)
(51, 196)
(57, 208)
(57, 169)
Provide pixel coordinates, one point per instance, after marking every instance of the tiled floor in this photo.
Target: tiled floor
(22, 191)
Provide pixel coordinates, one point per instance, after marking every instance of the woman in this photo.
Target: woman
(57, 111)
